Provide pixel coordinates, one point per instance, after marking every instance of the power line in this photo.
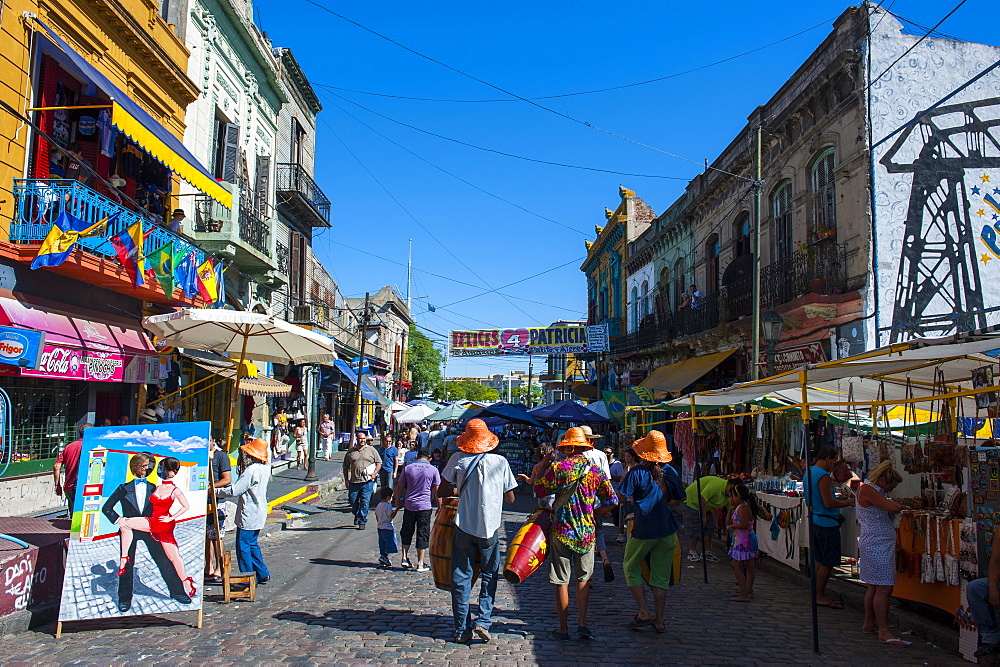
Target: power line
(596, 90)
(455, 176)
(508, 92)
(499, 152)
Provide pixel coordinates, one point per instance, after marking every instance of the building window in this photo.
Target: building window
(298, 141)
(635, 308)
(42, 417)
(781, 219)
(712, 264)
(679, 281)
(741, 236)
(645, 298)
(824, 196)
(226, 150)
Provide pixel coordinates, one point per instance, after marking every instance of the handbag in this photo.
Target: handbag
(852, 447)
(914, 554)
(926, 559)
(939, 574)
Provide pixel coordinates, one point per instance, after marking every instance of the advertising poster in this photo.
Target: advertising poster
(137, 542)
(528, 340)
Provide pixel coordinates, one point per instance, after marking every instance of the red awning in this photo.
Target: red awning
(75, 327)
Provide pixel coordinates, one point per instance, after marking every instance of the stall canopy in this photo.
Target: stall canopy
(454, 412)
(922, 368)
(511, 413)
(260, 386)
(568, 412)
(368, 392)
(142, 128)
(673, 378)
(413, 415)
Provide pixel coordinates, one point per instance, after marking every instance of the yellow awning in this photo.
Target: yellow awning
(138, 133)
(673, 378)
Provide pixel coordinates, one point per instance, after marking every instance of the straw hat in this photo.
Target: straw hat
(575, 439)
(590, 433)
(258, 449)
(477, 438)
(653, 448)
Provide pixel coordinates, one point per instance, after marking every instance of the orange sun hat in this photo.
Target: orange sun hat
(258, 449)
(575, 439)
(653, 448)
(477, 438)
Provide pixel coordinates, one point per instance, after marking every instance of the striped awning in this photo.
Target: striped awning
(260, 386)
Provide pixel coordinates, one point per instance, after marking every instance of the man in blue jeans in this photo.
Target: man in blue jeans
(482, 481)
(984, 600)
(361, 466)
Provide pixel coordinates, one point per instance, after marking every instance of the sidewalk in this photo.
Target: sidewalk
(327, 603)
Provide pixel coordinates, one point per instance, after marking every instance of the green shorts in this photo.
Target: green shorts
(562, 559)
(661, 560)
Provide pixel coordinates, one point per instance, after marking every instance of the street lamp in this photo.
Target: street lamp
(771, 324)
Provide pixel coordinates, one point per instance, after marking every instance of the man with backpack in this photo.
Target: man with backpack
(482, 481)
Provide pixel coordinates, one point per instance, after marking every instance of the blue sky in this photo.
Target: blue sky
(473, 240)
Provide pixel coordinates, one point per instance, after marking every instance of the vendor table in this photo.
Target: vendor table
(908, 586)
(785, 548)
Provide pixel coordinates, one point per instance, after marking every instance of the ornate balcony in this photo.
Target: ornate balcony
(300, 197)
(243, 234)
(39, 202)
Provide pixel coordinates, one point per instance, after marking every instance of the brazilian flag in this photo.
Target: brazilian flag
(162, 261)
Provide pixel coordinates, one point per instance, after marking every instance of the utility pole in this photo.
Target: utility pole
(530, 369)
(757, 186)
(365, 314)
(312, 418)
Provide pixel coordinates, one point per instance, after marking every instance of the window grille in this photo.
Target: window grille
(43, 417)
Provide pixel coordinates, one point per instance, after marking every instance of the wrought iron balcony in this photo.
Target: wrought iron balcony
(281, 253)
(243, 233)
(299, 195)
(39, 202)
(821, 269)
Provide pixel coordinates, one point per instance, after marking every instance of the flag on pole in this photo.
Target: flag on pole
(207, 285)
(129, 246)
(186, 271)
(220, 283)
(162, 269)
(62, 238)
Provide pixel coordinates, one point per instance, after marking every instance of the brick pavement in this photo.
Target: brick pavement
(327, 603)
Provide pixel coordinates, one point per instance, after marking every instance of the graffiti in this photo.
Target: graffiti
(17, 583)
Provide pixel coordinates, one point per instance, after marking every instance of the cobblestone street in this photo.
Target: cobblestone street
(327, 603)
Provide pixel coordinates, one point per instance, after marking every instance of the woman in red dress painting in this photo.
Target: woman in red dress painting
(161, 524)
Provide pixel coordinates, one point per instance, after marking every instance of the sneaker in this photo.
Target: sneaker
(620, 539)
(464, 638)
(483, 633)
(406, 564)
(987, 650)
(711, 558)
(423, 568)
(693, 556)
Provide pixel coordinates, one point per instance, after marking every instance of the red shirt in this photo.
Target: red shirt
(70, 458)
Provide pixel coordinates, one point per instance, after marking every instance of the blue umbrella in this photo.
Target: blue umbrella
(567, 411)
(511, 413)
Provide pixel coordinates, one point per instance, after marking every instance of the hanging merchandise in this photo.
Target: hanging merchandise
(950, 560)
(853, 446)
(927, 560)
(939, 574)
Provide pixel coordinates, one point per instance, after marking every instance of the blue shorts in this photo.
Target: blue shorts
(387, 541)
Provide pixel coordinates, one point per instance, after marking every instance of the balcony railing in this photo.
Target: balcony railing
(820, 270)
(281, 254)
(252, 227)
(302, 193)
(39, 202)
(255, 230)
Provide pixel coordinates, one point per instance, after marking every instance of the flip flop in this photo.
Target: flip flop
(561, 636)
(836, 604)
(660, 631)
(639, 622)
(896, 641)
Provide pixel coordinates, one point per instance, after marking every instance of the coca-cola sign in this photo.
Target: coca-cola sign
(72, 364)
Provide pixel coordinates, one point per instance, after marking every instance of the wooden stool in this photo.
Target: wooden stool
(228, 579)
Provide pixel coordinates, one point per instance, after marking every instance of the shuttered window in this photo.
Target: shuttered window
(781, 219)
(824, 194)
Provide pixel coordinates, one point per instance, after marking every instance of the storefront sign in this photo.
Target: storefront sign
(533, 340)
(67, 363)
(20, 347)
(790, 358)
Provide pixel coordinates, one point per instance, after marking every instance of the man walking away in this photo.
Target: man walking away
(387, 471)
(436, 438)
(423, 437)
(417, 485)
(482, 481)
(580, 487)
(361, 465)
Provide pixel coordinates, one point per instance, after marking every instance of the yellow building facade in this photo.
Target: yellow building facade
(128, 41)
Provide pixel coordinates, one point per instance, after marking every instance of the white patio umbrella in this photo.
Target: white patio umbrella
(417, 413)
(396, 406)
(248, 335)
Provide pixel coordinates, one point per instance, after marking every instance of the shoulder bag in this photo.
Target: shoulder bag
(852, 446)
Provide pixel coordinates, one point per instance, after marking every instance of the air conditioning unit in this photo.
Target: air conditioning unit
(304, 315)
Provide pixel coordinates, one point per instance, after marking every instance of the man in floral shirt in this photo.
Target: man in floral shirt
(574, 530)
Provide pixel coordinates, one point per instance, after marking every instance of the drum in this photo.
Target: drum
(440, 546)
(527, 551)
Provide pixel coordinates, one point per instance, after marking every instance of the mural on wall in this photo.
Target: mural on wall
(137, 541)
(937, 184)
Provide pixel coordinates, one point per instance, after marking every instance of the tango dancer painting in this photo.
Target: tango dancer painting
(136, 537)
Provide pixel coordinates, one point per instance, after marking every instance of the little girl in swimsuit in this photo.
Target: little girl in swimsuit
(161, 524)
(743, 542)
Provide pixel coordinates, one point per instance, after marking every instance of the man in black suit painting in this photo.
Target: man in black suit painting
(133, 498)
